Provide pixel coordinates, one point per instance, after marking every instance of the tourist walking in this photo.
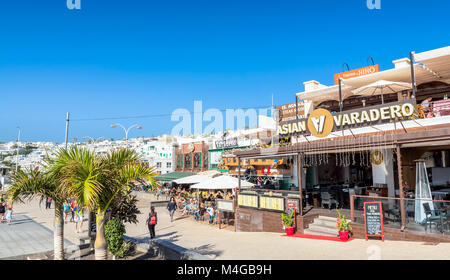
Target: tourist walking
(78, 218)
(9, 215)
(48, 203)
(72, 210)
(172, 206)
(152, 220)
(2, 209)
(66, 209)
(210, 211)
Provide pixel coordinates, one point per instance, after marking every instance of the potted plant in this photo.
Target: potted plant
(343, 225)
(288, 223)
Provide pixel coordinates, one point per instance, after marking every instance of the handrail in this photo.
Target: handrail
(353, 196)
(398, 198)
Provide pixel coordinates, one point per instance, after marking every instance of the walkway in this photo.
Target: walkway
(230, 245)
(24, 236)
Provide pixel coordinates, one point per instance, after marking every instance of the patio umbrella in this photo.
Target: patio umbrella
(381, 87)
(222, 182)
(194, 179)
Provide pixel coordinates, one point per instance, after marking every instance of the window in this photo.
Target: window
(158, 165)
(168, 164)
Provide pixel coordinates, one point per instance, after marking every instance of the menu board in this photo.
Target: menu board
(296, 202)
(248, 200)
(225, 205)
(373, 219)
(271, 203)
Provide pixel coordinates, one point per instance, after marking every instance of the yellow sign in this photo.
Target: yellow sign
(320, 123)
(271, 203)
(248, 200)
(376, 157)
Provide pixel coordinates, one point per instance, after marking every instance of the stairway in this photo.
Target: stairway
(323, 225)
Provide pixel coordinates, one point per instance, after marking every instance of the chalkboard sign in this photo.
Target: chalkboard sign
(296, 202)
(373, 219)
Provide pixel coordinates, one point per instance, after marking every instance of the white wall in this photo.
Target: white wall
(384, 172)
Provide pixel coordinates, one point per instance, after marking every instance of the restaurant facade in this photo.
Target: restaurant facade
(375, 135)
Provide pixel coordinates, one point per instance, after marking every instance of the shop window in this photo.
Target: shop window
(197, 158)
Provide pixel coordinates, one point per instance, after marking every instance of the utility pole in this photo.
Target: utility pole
(413, 78)
(17, 144)
(67, 128)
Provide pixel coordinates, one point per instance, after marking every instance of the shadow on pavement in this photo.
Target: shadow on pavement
(207, 250)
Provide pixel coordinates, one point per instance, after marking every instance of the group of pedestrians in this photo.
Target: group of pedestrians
(72, 206)
(5, 210)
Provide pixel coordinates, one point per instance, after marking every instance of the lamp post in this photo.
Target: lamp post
(17, 144)
(126, 129)
(86, 137)
(92, 139)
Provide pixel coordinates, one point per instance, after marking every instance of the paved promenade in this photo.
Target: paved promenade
(24, 236)
(225, 244)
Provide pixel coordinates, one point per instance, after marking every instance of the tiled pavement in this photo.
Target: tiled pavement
(25, 236)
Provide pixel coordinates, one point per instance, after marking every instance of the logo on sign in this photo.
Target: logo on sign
(320, 123)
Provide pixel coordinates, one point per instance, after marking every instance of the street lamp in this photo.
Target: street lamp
(126, 129)
(17, 144)
(86, 137)
(92, 139)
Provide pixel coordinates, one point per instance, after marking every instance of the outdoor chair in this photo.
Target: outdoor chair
(434, 216)
(394, 214)
(327, 200)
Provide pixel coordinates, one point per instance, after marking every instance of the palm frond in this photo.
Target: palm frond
(29, 183)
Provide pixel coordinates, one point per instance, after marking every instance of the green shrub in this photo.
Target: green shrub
(114, 230)
(288, 220)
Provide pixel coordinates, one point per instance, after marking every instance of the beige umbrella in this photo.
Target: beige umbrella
(381, 87)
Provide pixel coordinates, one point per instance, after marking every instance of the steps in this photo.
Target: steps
(323, 225)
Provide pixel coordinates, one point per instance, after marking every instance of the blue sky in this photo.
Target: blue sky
(144, 57)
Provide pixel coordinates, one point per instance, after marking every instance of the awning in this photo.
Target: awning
(169, 177)
(193, 179)
(435, 62)
(324, 94)
(221, 183)
(430, 66)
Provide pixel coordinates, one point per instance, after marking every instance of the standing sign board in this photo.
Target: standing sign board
(373, 220)
(225, 205)
(291, 209)
(296, 202)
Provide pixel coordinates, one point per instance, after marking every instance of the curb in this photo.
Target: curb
(166, 250)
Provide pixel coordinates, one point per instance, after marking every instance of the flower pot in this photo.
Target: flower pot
(343, 235)
(290, 231)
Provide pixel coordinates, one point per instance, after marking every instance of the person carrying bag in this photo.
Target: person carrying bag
(152, 220)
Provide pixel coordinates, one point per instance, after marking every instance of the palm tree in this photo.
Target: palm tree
(31, 183)
(97, 179)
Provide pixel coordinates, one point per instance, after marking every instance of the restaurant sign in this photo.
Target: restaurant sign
(287, 111)
(320, 123)
(228, 143)
(356, 73)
